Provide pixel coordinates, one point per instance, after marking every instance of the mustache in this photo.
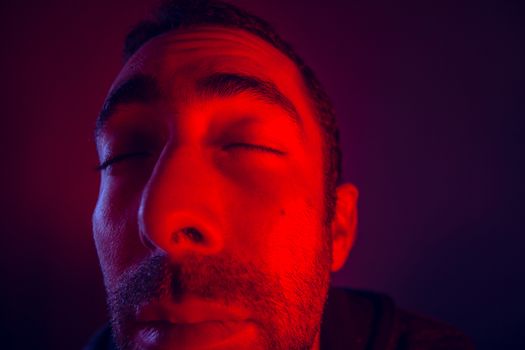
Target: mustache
(219, 278)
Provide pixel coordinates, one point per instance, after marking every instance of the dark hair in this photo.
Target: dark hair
(176, 14)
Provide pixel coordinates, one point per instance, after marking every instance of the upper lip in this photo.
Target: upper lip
(190, 311)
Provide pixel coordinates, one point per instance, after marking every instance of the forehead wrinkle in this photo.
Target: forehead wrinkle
(220, 36)
(229, 48)
(216, 42)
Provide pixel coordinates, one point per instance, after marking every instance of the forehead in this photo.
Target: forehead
(210, 45)
(178, 58)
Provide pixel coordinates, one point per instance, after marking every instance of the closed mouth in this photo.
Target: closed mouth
(206, 334)
(191, 324)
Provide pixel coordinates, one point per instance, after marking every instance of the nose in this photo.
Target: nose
(179, 208)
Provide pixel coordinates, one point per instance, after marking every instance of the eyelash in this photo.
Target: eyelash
(104, 165)
(254, 147)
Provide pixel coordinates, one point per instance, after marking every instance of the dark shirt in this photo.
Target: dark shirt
(359, 320)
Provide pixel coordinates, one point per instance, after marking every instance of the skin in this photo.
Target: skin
(209, 224)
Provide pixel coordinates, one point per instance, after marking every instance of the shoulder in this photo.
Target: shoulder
(420, 332)
(366, 320)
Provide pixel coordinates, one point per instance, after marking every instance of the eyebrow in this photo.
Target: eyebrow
(138, 89)
(145, 89)
(231, 84)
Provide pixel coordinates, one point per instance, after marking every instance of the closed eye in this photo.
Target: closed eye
(119, 158)
(253, 147)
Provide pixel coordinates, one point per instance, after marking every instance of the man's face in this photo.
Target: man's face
(210, 222)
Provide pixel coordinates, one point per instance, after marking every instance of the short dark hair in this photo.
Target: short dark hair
(177, 14)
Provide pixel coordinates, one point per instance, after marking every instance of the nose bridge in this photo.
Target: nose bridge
(176, 213)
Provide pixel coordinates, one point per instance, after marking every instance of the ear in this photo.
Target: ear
(344, 223)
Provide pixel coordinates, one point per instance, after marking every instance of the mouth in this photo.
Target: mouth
(201, 335)
(192, 324)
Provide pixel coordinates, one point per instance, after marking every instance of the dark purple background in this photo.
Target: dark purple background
(430, 100)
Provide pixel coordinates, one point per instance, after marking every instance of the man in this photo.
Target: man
(221, 213)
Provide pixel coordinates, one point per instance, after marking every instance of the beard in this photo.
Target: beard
(287, 318)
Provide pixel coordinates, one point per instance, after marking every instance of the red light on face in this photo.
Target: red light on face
(212, 195)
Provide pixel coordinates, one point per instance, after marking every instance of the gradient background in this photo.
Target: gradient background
(430, 100)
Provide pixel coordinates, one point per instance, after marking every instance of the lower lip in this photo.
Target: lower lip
(216, 334)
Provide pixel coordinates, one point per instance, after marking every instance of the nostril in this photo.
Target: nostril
(190, 233)
(193, 234)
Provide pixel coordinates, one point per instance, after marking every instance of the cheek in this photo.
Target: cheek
(296, 240)
(278, 220)
(115, 231)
